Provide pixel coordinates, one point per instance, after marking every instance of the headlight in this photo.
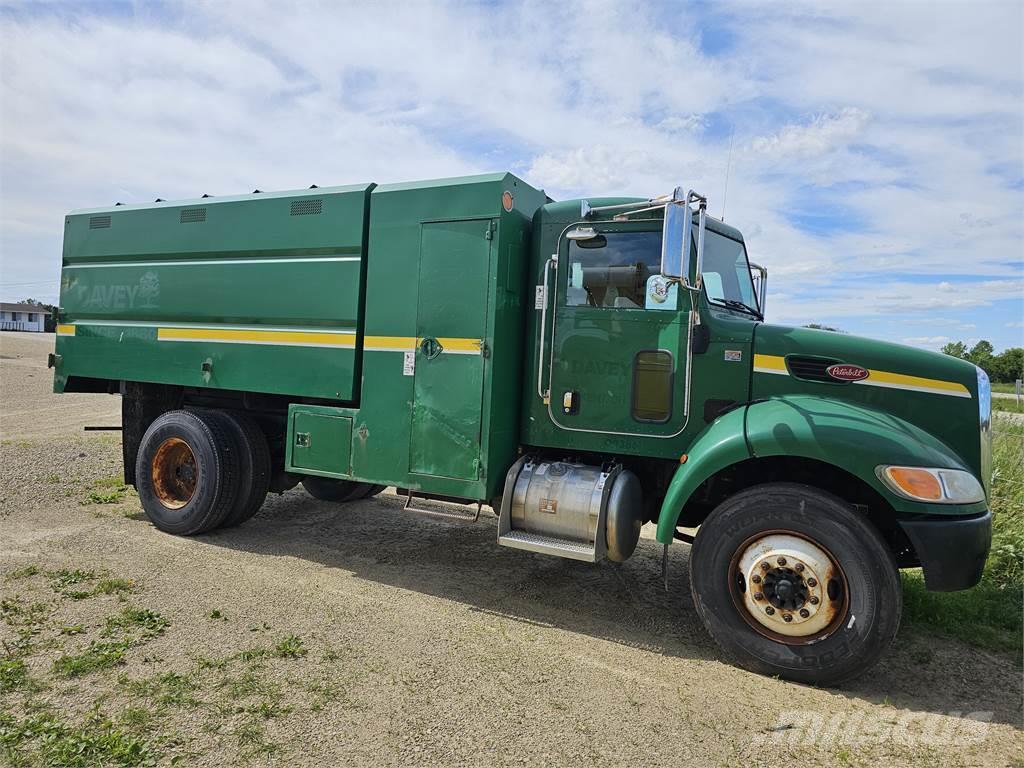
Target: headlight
(938, 486)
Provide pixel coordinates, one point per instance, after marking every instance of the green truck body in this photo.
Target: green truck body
(441, 336)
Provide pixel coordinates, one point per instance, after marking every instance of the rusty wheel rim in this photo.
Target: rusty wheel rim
(788, 587)
(174, 473)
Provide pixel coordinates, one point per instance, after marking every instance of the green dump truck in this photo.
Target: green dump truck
(581, 367)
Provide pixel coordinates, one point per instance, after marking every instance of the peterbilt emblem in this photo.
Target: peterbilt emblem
(845, 372)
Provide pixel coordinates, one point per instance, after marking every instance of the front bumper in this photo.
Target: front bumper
(951, 550)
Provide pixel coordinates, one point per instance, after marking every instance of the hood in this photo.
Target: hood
(930, 390)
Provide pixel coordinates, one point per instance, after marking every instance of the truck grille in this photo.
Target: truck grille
(811, 368)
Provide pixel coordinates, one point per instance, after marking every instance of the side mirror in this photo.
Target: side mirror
(677, 257)
(759, 277)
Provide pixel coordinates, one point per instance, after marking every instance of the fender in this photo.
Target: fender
(721, 444)
(853, 437)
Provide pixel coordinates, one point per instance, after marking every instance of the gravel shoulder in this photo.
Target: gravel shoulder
(323, 634)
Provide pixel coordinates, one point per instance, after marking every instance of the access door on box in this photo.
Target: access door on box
(451, 323)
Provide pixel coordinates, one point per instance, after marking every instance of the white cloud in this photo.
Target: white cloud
(821, 134)
(876, 162)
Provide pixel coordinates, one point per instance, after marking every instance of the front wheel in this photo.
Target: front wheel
(792, 581)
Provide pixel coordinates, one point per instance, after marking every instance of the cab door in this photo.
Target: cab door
(620, 336)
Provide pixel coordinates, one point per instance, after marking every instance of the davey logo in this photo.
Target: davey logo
(844, 372)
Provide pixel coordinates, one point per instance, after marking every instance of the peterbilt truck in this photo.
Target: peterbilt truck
(581, 368)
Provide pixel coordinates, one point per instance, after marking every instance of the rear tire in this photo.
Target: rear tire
(254, 457)
(751, 568)
(329, 489)
(187, 472)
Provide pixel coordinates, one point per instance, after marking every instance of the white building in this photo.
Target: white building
(22, 317)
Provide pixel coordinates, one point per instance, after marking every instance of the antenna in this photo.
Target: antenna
(728, 164)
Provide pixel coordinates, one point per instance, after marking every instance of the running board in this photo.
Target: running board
(440, 514)
(549, 545)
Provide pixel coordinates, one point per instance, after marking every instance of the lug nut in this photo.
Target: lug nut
(804, 613)
(787, 617)
(799, 566)
(765, 566)
(756, 579)
(813, 600)
(812, 582)
(769, 610)
(781, 561)
(759, 596)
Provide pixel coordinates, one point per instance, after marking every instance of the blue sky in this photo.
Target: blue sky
(875, 152)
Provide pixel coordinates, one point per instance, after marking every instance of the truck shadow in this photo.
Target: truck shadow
(625, 604)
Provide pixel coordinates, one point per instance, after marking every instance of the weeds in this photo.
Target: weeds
(290, 647)
(23, 573)
(96, 742)
(989, 614)
(96, 657)
(167, 690)
(150, 623)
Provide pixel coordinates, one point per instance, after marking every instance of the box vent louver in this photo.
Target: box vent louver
(99, 222)
(189, 215)
(811, 368)
(307, 207)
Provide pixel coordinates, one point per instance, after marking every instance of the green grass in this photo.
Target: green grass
(148, 623)
(1007, 387)
(988, 615)
(290, 647)
(94, 658)
(13, 675)
(1004, 405)
(23, 573)
(167, 690)
(44, 739)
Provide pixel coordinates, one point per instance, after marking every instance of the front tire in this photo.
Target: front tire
(187, 471)
(792, 581)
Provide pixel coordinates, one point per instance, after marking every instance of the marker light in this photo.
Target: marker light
(941, 486)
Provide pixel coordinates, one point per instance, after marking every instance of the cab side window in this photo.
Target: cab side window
(612, 270)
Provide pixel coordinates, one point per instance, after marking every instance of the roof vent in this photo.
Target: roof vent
(99, 222)
(811, 368)
(189, 215)
(307, 207)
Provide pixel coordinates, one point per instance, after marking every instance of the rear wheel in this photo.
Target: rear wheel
(187, 471)
(791, 581)
(329, 489)
(254, 475)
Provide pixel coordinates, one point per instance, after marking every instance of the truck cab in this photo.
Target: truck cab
(583, 368)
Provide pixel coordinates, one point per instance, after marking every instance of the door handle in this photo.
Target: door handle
(431, 347)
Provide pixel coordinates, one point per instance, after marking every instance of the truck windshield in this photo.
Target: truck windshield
(727, 280)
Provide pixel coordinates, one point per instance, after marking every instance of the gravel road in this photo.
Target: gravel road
(322, 634)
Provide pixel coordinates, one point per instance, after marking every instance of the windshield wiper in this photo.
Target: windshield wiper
(735, 304)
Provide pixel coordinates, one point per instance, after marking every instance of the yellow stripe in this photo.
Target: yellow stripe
(65, 330)
(777, 364)
(385, 343)
(770, 362)
(409, 343)
(299, 338)
(901, 380)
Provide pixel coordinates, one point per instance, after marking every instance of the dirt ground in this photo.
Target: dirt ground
(320, 634)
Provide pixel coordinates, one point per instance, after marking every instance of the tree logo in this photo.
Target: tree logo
(149, 290)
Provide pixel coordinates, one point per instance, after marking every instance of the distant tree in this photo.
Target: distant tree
(955, 349)
(981, 353)
(1008, 365)
(50, 322)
